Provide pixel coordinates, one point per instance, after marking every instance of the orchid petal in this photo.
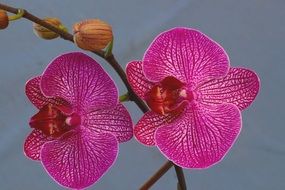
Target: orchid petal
(140, 84)
(80, 80)
(36, 96)
(202, 137)
(145, 129)
(186, 54)
(116, 121)
(79, 158)
(34, 142)
(239, 87)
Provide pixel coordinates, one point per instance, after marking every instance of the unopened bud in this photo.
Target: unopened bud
(45, 33)
(92, 34)
(4, 19)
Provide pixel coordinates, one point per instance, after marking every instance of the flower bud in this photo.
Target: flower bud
(92, 34)
(45, 33)
(4, 20)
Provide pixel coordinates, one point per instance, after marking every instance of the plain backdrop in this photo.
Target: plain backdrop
(251, 31)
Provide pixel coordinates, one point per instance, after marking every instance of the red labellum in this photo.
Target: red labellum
(167, 96)
(53, 121)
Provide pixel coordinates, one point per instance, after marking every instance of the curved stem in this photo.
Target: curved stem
(62, 33)
(67, 36)
(117, 67)
(109, 57)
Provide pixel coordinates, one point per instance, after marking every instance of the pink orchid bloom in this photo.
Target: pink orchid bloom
(79, 123)
(194, 96)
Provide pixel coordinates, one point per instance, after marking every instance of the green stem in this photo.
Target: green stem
(17, 16)
(109, 48)
(124, 98)
(63, 28)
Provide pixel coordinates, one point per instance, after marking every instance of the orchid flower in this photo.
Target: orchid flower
(195, 97)
(80, 122)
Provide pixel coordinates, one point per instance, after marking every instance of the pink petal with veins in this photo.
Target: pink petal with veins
(148, 124)
(79, 158)
(201, 137)
(116, 121)
(36, 96)
(140, 84)
(34, 142)
(80, 80)
(239, 87)
(186, 54)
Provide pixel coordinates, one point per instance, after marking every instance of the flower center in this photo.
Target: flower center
(52, 121)
(168, 96)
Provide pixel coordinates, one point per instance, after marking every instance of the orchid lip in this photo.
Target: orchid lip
(168, 96)
(54, 121)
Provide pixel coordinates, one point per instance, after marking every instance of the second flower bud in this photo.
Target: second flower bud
(45, 33)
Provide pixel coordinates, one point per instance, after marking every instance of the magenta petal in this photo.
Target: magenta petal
(239, 86)
(116, 121)
(79, 158)
(147, 125)
(186, 54)
(202, 137)
(80, 80)
(140, 84)
(34, 143)
(36, 96)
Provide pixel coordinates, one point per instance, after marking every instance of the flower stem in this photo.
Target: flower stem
(109, 57)
(132, 96)
(153, 179)
(181, 185)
